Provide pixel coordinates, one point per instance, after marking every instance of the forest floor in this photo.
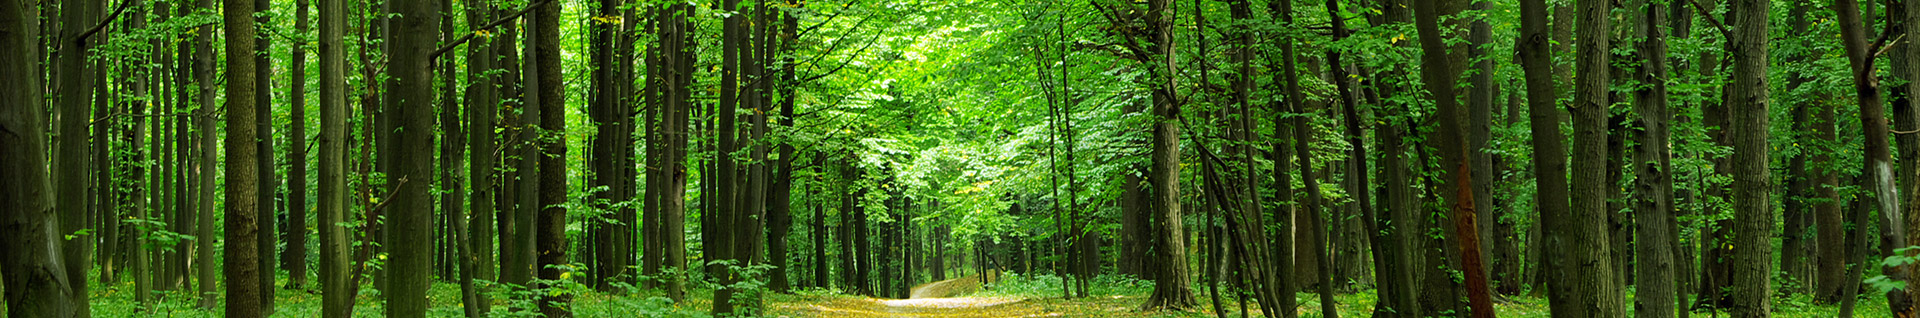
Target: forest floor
(1015, 297)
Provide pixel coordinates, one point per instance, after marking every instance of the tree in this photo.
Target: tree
(296, 257)
(1752, 189)
(483, 104)
(203, 76)
(603, 103)
(1170, 289)
(336, 286)
(265, 236)
(1878, 165)
(242, 268)
(1457, 160)
(411, 97)
(1549, 163)
(71, 179)
(33, 272)
(1653, 171)
(551, 240)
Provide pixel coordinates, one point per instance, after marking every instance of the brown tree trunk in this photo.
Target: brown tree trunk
(265, 235)
(296, 257)
(1653, 181)
(33, 271)
(71, 158)
(336, 286)
(1550, 159)
(1752, 189)
(551, 237)
(1456, 159)
(1170, 290)
(1878, 168)
(411, 100)
(241, 267)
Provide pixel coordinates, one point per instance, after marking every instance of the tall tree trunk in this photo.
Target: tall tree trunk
(33, 271)
(725, 209)
(1550, 159)
(411, 100)
(1753, 212)
(336, 286)
(678, 54)
(1456, 160)
(146, 82)
(1283, 242)
(1794, 246)
(1170, 290)
(1830, 280)
(1653, 174)
(203, 73)
(780, 210)
(527, 187)
(483, 101)
(1479, 125)
(600, 107)
(70, 151)
(296, 257)
(242, 270)
(1878, 167)
(263, 123)
(551, 242)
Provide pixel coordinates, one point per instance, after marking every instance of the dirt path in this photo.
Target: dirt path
(928, 300)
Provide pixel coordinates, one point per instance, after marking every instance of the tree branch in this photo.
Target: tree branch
(496, 23)
(103, 23)
(1708, 15)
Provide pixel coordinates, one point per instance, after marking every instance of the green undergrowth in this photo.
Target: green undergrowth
(1024, 295)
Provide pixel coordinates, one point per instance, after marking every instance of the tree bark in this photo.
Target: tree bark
(551, 241)
(34, 273)
(1457, 160)
(1550, 159)
(263, 123)
(203, 72)
(296, 256)
(241, 268)
(482, 105)
(1170, 290)
(1653, 181)
(1752, 180)
(1878, 167)
(336, 286)
(70, 151)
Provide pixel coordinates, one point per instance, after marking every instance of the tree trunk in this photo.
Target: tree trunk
(241, 268)
(1753, 212)
(336, 286)
(1550, 159)
(33, 271)
(482, 105)
(1653, 171)
(1170, 289)
(726, 210)
(263, 123)
(71, 179)
(296, 256)
(411, 100)
(676, 39)
(551, 241)
(780, 211)
(1878, 167)
(1456, 159)
(600, 107)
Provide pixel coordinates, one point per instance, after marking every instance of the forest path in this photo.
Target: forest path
(932, 300)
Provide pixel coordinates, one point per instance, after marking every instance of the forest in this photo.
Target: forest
(959, 158)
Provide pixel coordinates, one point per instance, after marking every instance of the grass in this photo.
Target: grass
(1016, 296)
